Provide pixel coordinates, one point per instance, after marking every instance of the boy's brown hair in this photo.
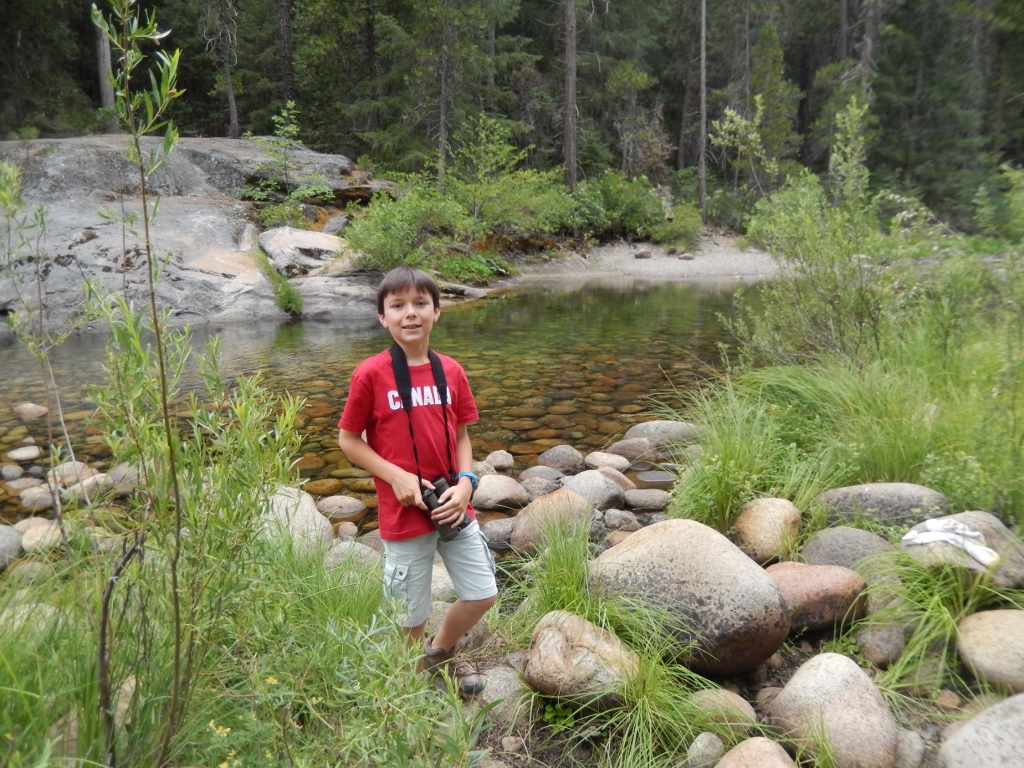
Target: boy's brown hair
(401, 279)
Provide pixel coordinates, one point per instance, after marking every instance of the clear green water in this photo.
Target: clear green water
(547, 366)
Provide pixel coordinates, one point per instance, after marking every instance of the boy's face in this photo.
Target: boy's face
(409, 316)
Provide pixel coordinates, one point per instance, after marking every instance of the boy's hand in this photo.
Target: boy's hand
(407, 489)
(453, 503)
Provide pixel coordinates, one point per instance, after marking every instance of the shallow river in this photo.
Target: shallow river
(555, 364)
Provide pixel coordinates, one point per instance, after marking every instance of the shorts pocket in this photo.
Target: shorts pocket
(396, 582)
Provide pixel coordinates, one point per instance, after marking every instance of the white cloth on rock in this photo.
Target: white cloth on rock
(956, 533)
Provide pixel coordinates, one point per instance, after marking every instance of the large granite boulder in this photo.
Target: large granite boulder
(593, 486)
(766, 528)
(202, 232)
(832, 699)
(886, 503)
(573, 659)
(820, 596)
(719, 598)
(1009, 571)
(499, 492)
(10, 545)
(292, 514)
(757, 752)
(993, 739)
(846, 547)
(664, 432)
(564, 458)
(294, 252)
(991, 644)
(561, 507)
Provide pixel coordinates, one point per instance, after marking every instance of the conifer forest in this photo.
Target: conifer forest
(582, 85)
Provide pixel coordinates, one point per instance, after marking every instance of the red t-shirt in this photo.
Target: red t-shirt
(375, 406)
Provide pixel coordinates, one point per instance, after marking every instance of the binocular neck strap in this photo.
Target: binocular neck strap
(403, 379)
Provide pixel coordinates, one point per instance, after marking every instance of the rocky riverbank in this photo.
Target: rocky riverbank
(204, 236)
(759, 615)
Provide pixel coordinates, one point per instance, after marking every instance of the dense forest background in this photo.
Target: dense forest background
(389, 82)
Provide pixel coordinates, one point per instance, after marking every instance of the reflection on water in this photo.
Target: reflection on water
(547, 366)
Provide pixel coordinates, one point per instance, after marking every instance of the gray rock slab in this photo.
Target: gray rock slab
(209, 274)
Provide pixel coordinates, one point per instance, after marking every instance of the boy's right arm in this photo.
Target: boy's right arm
(404, 484)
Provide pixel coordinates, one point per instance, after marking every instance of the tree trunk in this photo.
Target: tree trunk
(687, 99)
(372, 62)
(569, 122)
(872, 19)
(979, 57)
(492, 35)
(442, 107)
(234, 130)
(843, 49)
(702, 185)
(106, 86)
(747, 101)
(284, 22)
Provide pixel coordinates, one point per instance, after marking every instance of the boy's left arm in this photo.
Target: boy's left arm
(454, 507)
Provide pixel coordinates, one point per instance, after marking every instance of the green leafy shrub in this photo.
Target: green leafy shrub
(632, 205)
(588, 212)
(409, 229)
(471, 268)
(681, 228)
(503, 199)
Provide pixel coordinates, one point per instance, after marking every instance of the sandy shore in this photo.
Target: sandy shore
(716, 260)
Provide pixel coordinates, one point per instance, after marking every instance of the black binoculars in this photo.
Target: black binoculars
(432, 499)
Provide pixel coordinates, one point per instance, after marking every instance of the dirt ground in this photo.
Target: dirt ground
(717, 259)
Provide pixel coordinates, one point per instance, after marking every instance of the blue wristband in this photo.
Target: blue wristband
(472, 478)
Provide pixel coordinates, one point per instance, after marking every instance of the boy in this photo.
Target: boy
(411, 441)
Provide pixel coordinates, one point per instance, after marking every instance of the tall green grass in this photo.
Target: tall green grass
(948, 419)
